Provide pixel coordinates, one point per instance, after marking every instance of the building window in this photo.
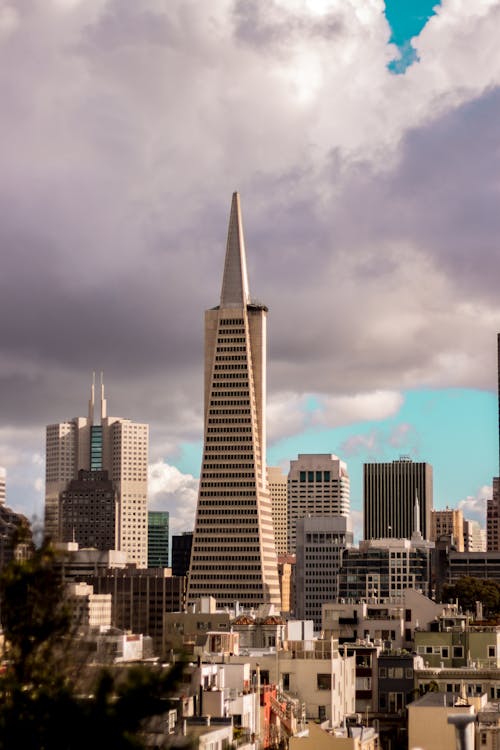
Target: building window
(323, 681)
(458, 652)
(382, 672)
(286, 680)
(322, 713)
(445, 652)
(492, 652)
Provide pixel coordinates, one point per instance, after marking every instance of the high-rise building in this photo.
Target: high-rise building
(181, 553)
(87, 511)
(113, 445)
(390, 493)
(277, 483)
(448, 522)
(321, 542)
(234, 556)
(380, 569)
(493, 504)
(158, 538)
(318, 485)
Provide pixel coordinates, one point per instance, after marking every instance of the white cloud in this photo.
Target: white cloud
(170, 489)
(474, 506)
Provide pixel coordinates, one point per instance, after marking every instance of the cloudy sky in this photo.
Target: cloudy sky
(365, 144)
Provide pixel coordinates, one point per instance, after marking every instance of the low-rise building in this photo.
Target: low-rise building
(428, 725)
(323, 737)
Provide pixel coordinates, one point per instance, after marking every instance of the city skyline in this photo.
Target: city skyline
(366, 154)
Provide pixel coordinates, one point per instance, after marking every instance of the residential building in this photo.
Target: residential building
(453, 641)
(113, 445)
(318, 485)
(323, 737)
(428, 721)
(390, 622)
(320, 543)
(277, 483)
(396, 680)
(181, 553)
(390, 493)
(448, 522)
(383, 568)
(158, 538)
(233, 556)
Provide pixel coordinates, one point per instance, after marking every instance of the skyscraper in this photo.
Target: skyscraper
(391, 491)
(493, 504)
(115, 448)
(277, 483)
(158, 538)
(233, 556)
(318, 485)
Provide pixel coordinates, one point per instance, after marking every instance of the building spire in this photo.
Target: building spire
(103, 400)
(417, 534)
(92, 400)
(235, 292)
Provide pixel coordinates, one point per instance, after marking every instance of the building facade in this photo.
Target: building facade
(321, 541)
(277, 483)
(390, 493)
(318, 485)
(233, 557)
(383, 568)
(113, 445)
(2, 486)
(181, 553)
(474, 536)
(448, 522)
(158, 538)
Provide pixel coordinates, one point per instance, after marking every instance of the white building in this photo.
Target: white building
(114, 445)
(318, 485)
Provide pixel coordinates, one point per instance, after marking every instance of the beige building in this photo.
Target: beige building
(113, 445)
(428, 725)
(448, 522)
(88, 610)
(474, 536)
(318, 485)
(277, 483)
(233, 556)
(322, 737)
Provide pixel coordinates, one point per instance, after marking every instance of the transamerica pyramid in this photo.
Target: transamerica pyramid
(233, 555)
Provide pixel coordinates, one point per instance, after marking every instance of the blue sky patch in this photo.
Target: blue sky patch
(407, 18)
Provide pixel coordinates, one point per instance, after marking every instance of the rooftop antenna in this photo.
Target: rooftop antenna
(104, 413)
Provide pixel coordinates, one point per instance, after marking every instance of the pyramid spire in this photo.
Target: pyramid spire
(235, 292)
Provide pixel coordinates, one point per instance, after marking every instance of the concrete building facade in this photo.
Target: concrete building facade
(234, 556)
(321, 541)
(277, 482)
(113, 445)
(448, 522)
(318, 485)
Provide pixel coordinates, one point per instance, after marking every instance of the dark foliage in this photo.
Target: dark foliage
(49, 700)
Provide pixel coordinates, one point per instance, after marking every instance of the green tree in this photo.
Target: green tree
(470, 590)
(49, 699)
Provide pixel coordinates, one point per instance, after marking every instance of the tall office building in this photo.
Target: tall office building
(318, 485)
(391, 491)
(233, 556)
(113, 445)
(493, 504)
(321, 542)
(448, 522)
(277, 483)
(158, 538)
(181, 553)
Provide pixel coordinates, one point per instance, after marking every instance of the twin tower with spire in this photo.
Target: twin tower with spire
(233, 553)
